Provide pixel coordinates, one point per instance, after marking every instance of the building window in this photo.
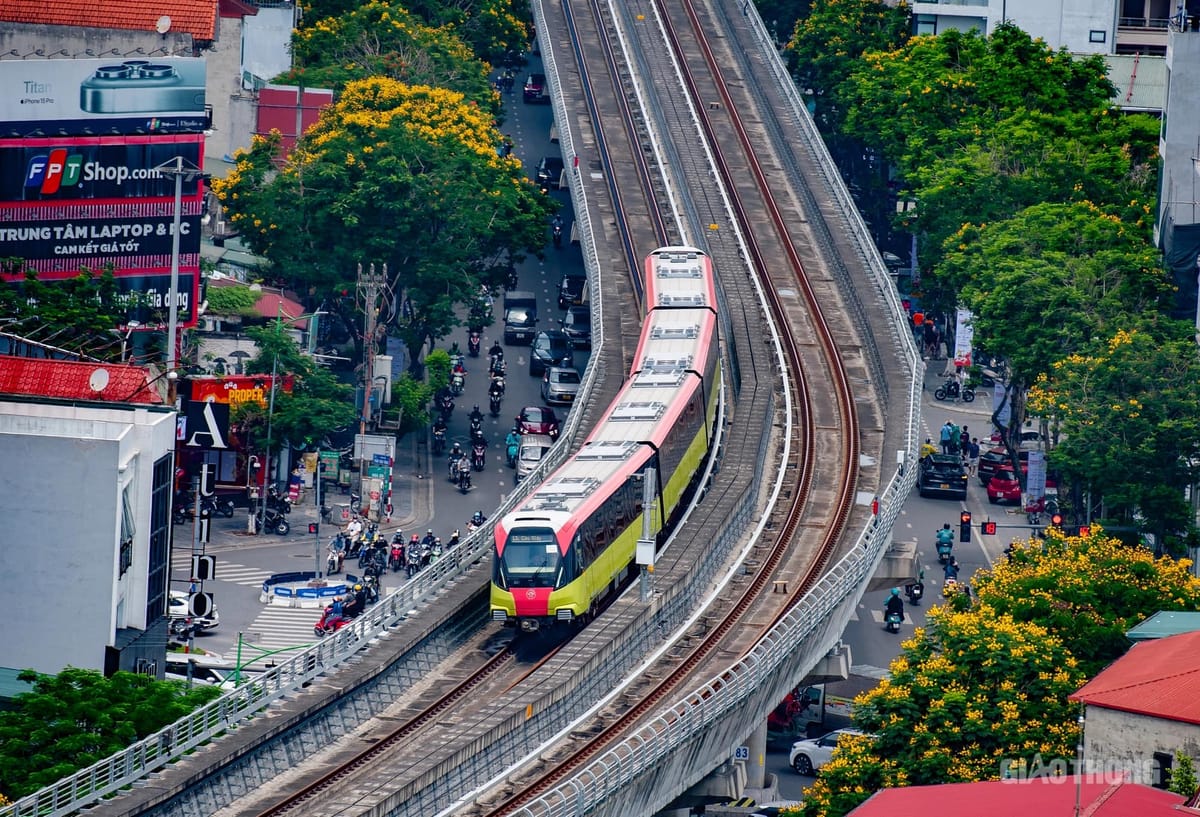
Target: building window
(128, 529)
(1097, 35)
(925, 24)
(159, 559)
(1162, 769)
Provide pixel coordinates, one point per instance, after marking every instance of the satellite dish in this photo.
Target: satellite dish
(163, 25)
(98, 380)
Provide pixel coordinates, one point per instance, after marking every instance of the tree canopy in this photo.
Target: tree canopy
(968, 693)
(78, 717)
(404, 175)
(317, 406)
(79, 314)
(1131, 400)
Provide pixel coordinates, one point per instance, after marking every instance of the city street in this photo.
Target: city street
(431, 501)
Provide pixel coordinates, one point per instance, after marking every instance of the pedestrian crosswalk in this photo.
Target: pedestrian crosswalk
(181, 568)
(279, 627)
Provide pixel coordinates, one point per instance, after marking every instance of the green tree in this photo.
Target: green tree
(1183, 776)
(382, 39)
(1131, 400)
(317, 406)
(494, 29)
(1040, 285)
(1031, 157)
(78, 314)
(934, 95)
(828, 44)
(396, 174)
(77, 717)
(969, 694)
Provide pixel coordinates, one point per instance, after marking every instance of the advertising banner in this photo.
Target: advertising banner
(97, 167)
(138, 241)
(237, 389)
(964, 338)
(1035, 483)
(163, 95)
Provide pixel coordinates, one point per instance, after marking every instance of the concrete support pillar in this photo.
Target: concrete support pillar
(756, 764)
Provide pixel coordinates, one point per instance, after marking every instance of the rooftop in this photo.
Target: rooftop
(76, 380)
(195, 17)
(1163, 624)
(1044, 797)
(1158, 678)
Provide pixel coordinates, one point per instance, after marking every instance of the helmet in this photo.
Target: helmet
(358, 587)
(946, 526)
(476, 407)
(430, 530)
(895, 591)
(415, 538)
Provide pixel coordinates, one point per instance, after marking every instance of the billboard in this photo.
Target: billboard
(98, 202)
(80, 97)
(89, 168)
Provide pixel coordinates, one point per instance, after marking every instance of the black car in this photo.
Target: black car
(549, 172)
(571, 289)
(942, 475)
(549, 348)
(577, 326)
(535, 89)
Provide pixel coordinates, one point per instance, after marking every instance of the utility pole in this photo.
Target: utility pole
(367, 288)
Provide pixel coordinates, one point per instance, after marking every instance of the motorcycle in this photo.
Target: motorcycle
(439, 441)
(445, 407)
(478, 456)
(558, 231)
(333, 564)
(396, 562)
(275, 522)
(511, 454)
(945, 547)
(473, 342)
(464, 480)
(217, 506)
(951, 390)
(892, 622)
(277, 501)
(458, 382)
(494, 405)
(412, 561)
(329, 622)
(915, 590)
(452, 468)
(476, 425)
(498, 381)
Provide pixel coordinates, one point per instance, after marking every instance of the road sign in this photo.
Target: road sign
(204, 568)
(200, 604)
(741, 753)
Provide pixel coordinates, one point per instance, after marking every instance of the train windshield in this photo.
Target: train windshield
(531, 559)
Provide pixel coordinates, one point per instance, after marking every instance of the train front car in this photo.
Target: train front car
(571, 543)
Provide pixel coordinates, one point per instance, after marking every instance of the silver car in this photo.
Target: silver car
(529, 455)
(560, 384)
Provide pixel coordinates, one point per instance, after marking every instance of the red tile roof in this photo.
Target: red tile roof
(195, 17)
(73, 380)
(1159, 678)
(1044, 797)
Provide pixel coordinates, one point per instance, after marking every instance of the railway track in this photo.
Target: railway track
(821, 458)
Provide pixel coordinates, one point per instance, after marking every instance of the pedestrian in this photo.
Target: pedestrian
(964, 444)
(945, 437)
(955, 438)
(973, 457)
(918, 324)
(930, 338)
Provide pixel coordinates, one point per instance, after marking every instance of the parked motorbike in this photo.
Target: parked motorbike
(278, 501)
(951, 390)
(478, 455)
(275, 523)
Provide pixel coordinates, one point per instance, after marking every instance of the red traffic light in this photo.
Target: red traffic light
(989, 528)
(313, 527)
(1056, 520)
(965, 517)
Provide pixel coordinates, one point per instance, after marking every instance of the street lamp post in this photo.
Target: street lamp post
(181, 170)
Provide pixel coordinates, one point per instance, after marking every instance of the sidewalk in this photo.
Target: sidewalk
(412, 508)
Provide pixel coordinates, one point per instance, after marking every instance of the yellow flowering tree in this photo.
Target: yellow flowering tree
(381, 39)
(1129, 412)
(398, 174)
(969, 694)
(1087, 591)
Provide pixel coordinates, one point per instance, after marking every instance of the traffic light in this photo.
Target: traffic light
(988, 528)
(313, 527)
(964, 526)
(1056, 520)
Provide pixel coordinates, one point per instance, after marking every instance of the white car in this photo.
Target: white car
(177, 608)
(807, 756)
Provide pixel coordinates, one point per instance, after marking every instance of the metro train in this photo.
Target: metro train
(570, 543)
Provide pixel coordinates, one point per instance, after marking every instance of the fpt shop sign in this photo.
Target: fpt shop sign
(94, 168)
(80, 239)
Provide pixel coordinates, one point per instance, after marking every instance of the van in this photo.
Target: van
(531, 453)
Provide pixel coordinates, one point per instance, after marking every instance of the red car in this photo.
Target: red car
(538, 420)
(1004, 487)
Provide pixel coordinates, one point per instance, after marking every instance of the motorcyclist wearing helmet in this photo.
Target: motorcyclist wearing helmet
(476, 416)
(429, 537)
(945, 536)
(496, 389)
(894, 604)
(951, 570)
(497, 351)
